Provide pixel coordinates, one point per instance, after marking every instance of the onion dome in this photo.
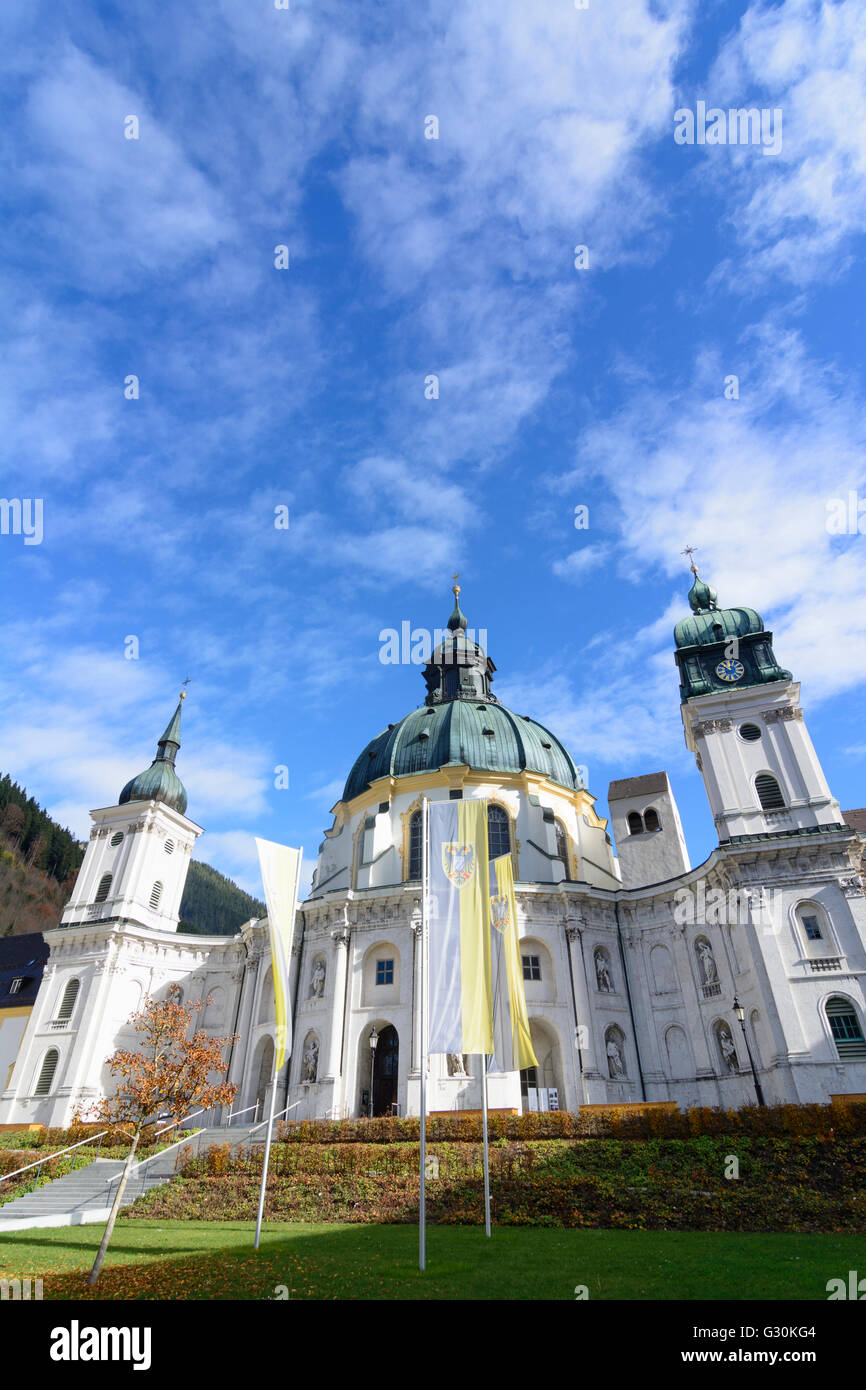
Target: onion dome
(719, 648)
(160, 782)
(461, 724)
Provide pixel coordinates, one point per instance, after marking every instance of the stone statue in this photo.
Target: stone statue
(311, 1059)
(602, 973)
(317, 983)
(708, 963)
(615, 1062)
(457, 1064)
(729, 1052)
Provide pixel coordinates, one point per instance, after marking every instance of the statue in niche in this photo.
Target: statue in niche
(729, 1052)
(603, 976)
(457, 1064)
(317, 983)
(708, 962)
(311, 1058)
(615, 1060)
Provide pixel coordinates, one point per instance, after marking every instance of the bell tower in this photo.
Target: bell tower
(136, 862)
(743, 721)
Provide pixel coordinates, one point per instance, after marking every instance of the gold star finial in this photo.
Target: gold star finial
(690, 550)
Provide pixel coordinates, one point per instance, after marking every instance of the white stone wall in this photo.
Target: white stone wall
(729, 763)
(140, 860)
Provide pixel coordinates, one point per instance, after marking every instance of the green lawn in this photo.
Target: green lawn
(207, 1260)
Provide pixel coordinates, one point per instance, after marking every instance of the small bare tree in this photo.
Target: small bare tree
(167, 1075)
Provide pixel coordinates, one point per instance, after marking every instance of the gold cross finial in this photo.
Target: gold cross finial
(185, 684)
(456, 587)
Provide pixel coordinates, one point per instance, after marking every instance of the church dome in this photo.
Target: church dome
(461, 724)
(160, 782)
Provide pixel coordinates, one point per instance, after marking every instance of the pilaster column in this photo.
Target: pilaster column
(338, 1010)
(574, 938)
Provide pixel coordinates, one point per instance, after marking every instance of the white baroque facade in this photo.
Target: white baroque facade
(632, 962)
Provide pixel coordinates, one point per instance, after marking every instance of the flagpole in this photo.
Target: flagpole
(267, 1154)
(277, 1043)
(486, 1146)
(422, 1206)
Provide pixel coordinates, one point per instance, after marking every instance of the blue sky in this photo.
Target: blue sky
(305, 387)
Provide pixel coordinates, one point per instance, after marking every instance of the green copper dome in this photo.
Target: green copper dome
(486, 737)
(462, 724)
(717, 625)
(160, 782)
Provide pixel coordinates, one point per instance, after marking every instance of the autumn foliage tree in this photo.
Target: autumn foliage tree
(168, 1075)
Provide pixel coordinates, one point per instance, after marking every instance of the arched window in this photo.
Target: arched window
(815, 933)
(155, 895)
(562, 845)
(415, 844)
(845, 1027)
(67, 1003)
(651, 819)
(104, 888)
(769, 793)
(635, 824)
(46, 1075)
(498, 832)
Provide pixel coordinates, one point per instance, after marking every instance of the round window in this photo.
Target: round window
(116, 838)
(750, 732)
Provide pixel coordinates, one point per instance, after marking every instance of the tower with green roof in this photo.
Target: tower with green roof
(743, 721)
(136, 862)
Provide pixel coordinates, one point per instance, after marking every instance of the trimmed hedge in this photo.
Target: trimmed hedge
(811, 1184)
(56, 1139)
(841, 1118)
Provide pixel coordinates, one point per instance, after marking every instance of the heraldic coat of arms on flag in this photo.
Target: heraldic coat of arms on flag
(458, 862)
(499, 911)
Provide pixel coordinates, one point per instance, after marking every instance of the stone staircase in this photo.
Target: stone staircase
(86, 1194)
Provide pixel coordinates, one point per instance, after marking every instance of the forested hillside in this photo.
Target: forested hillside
(212, 905)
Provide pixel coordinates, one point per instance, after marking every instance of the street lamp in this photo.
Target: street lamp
(741, 1015)
(374, 1038)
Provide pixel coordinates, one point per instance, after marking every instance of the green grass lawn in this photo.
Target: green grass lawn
(209, 1260)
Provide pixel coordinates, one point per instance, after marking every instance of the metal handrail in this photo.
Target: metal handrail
(234, 1113)
(162, 1153)
(182, 1121)
(262, 1123)
(141, 1162)
(45, 1157)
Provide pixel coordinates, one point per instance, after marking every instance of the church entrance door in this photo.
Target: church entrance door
(385, 1070)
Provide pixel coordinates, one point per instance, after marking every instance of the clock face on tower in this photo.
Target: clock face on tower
(730, 670)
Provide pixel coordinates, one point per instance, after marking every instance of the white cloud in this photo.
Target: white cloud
(747, 482)
(797, 211)
(581, 562)
(120, 206)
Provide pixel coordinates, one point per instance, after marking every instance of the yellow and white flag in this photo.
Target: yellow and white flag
(512, 1041)
(461, 1007)
(281, 871)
